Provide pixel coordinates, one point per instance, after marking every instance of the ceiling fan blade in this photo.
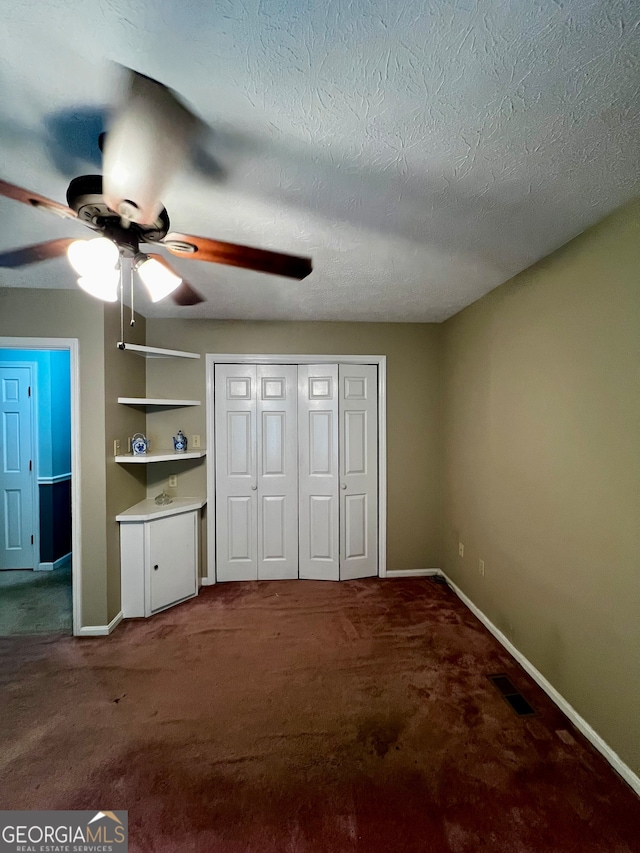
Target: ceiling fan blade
(144, 147)
(187, 295)
(234, 255)
(33, 254)
(35, 200)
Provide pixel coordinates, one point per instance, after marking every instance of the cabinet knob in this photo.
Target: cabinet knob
(155, 568)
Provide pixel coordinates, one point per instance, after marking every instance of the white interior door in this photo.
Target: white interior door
(318, 482)
(236, 472)
(358, 407)
(277, 456)
(16, 469)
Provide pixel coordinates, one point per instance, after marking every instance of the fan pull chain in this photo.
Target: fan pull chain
(121, 302)
(132, 321)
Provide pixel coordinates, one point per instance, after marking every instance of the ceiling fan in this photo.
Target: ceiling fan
(144, 147)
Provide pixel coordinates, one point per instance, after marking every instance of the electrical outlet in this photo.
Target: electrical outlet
(481, 567)
(116, 446)
(460, 549)
(173, 481)
(196, 441)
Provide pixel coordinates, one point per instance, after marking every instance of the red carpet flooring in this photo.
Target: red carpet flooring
(302, 717)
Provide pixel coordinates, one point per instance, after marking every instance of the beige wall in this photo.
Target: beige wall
(413, 400)
(124, 376)
(72, 314)
(542, 469)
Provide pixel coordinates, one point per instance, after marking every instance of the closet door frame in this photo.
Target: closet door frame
(229, 358)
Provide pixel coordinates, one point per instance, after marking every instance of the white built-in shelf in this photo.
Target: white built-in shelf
(156, 401)
(156, 352)
(148, 510)
(168, 456)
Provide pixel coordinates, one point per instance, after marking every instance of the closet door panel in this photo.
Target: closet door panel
(277, 437)
(236, 472)
(358, 471)
(318, 453)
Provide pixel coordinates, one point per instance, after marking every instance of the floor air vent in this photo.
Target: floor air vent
(511, 694)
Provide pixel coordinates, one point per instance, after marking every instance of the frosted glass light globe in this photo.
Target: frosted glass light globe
(103, 285)
(158, 279)
(93, 257)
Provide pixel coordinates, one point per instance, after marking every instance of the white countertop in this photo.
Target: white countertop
(148, 509)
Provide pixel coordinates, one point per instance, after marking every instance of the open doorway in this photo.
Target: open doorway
(36, 488)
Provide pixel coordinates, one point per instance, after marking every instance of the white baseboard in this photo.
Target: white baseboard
(413, 573)
(49, 567)
(206, 581)
(100, 630)
(579, 722)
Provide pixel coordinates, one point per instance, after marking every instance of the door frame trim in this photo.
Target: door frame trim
(35, 449)
(73, 347)
(380, 361)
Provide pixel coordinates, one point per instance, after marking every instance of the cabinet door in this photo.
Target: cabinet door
(277, 459)
(173, 559)
(236, 474)
(358, 471)
(318, 448)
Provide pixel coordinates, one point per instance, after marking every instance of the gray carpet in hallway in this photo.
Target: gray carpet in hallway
(36, 602)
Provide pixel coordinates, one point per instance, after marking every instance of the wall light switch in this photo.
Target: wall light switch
(196, 441)
(481, 567)
(460, 549)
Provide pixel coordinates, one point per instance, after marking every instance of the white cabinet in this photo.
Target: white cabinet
(158, 555)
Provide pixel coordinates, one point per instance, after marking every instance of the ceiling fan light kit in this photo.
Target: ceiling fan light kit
(97, 263)
(143, 149)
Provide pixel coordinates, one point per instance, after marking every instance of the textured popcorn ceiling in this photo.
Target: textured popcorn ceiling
(422, 152)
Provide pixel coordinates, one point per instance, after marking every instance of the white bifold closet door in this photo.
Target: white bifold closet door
(256, 472)
(318, 438)
(338, 437)
(358, 437)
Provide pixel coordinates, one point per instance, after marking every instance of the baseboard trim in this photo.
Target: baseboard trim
(413, 573)
(579, 722)
(49, 567)
(100, 630)
(206, 581)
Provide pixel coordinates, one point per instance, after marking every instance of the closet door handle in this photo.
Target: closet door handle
(253, 488)
(155, 568)
(343, 486)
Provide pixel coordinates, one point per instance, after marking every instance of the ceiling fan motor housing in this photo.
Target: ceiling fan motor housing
(85, 197)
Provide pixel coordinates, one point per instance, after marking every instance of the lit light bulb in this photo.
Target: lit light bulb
(159, 280)
(103, 285)
(93, 257)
